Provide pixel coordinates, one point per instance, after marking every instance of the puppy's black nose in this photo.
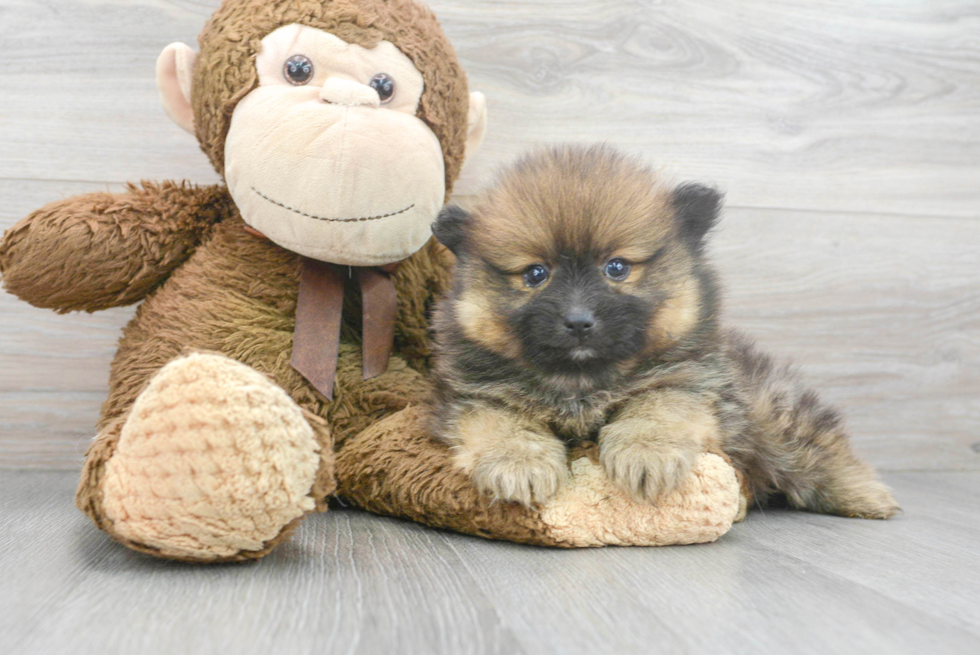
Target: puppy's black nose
(579, 323)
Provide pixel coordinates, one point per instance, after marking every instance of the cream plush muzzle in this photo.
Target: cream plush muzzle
(311, 165)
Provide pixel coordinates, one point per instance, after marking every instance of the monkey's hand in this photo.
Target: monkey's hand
(103, 250)
(509, 458)
(652, 444)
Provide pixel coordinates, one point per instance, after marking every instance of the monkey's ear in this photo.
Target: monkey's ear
(451, 227)
(696, 207)
(476, 124)
(175, 70)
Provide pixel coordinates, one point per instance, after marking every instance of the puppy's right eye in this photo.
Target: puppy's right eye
(298, 70)
(535, 275)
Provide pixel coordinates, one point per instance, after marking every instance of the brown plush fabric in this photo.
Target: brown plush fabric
(104, 250)
(237, 296)
(394, 468)
(225, 73)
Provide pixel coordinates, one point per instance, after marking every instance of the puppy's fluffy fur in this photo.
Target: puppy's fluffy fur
(584, 309)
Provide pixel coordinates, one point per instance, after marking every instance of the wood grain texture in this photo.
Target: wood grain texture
(859, 116)
(820, 105)
(781, 582)
(882, 314)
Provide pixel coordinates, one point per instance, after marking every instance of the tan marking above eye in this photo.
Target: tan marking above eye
(514, 262)
(637, 255)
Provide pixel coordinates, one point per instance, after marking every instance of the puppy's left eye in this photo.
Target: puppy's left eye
(535, 275)
(617, 269)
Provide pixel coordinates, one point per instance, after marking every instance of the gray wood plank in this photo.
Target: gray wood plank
(926, 558)
(882, 313)
(351, 582)
(47, 429)
(747, 593)
(348, 583)
(819, 105)
(80, 100)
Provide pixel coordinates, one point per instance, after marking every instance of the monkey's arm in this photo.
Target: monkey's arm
(102, 250)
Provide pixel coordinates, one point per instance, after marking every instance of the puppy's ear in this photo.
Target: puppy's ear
(697, 208)
(451, 228)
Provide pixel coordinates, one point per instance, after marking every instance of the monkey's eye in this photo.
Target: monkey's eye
(298, 70)
(617, 269)
(535, 275)
(384, 85)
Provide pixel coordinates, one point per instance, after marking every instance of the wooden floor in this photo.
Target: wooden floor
(350, 582)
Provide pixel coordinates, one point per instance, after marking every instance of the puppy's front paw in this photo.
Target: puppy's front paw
(641, 463)
(525, 470)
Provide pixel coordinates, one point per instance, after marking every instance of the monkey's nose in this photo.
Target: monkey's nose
(349, 93)
(579, 323)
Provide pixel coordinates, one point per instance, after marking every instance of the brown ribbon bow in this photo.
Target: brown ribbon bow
(319, 305)
(316, 339)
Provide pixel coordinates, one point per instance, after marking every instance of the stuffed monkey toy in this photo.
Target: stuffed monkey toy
(280, 351)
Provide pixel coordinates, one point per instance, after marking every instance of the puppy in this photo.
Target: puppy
(583, 308)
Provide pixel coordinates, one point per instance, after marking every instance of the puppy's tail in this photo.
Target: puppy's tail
(796, 445)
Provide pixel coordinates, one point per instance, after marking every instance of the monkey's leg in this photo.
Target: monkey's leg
(395, 467)
(797, 445)
(103, 250)
(213, 462)
(508, 458)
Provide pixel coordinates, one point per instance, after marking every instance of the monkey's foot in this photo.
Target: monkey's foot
(213, 462)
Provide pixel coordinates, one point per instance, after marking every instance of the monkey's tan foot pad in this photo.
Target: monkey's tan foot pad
(213, 461)
(395, 468)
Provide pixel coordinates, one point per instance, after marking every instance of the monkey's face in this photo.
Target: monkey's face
(577, 261)
(327, 158)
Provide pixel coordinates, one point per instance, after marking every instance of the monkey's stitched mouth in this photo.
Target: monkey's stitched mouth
(332, 220)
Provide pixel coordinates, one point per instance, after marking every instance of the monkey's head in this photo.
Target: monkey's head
(339, 125)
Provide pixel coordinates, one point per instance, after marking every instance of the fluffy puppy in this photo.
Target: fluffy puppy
(583, 309)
